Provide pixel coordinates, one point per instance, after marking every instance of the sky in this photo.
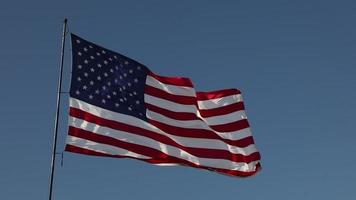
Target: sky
(294, 62)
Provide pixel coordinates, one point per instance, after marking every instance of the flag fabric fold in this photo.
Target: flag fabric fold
(120, 108)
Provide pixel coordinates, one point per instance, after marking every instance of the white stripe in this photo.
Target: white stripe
(165, 164)
(225, 119)
(167, 149)
(172, 89)
(102, 148)
(169, 105)
(236, 135)
(191, 124)
(219, 102)
(130, 120)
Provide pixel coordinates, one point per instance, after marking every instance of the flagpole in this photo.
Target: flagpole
(55, 133)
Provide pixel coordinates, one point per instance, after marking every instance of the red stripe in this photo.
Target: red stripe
(186, 100)
(172, 114)
(194, 133)
(233, 126)
(179, 81)
(222, 110)
(200, 133)
(216, 94)
(168, 159)
(75, 149)
(198, 152)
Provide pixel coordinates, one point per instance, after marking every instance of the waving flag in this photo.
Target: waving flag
(120, 108)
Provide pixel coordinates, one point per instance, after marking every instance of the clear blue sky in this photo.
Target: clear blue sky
(293, 60)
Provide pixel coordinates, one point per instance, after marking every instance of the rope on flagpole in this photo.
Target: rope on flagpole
(55, 133)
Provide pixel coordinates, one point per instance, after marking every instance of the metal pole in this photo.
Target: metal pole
(55, 133)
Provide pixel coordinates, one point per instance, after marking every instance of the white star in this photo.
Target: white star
(117, 67)
(96, 91)
(130, 109)
(99, 65)
(103, 52)
(110, 59)
(85, 49)
(90, 46)
(120, 89)
(138, 67)
(105, 62)
(115, 57)
(129, 84)
(137, 102)
(135, 80)
(125, 74)
(90, 96)
(134, 92)
(91, 82)
(104, 87)
(130, 94)
(114, 93)
(117, 105)
(86, 61)
(105, 74)
(80, 53)
(108, 96)
(116, 80)
(120, 77)
(111, 70)
(92, 57)
(109, 83)
(97, 53)
(125, 99)
(92, 69)
(79, 79)
(121, 100)
(78, 41)
(130, 71)
(126, 62)
(123, 87)
(103, 100)
(77, 92)
(85, 87)
(99, 78)
(85, 74)
(80, 66)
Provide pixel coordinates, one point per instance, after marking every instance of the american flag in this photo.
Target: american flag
(120, 108)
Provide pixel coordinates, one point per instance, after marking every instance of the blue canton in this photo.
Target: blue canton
(107, 79)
